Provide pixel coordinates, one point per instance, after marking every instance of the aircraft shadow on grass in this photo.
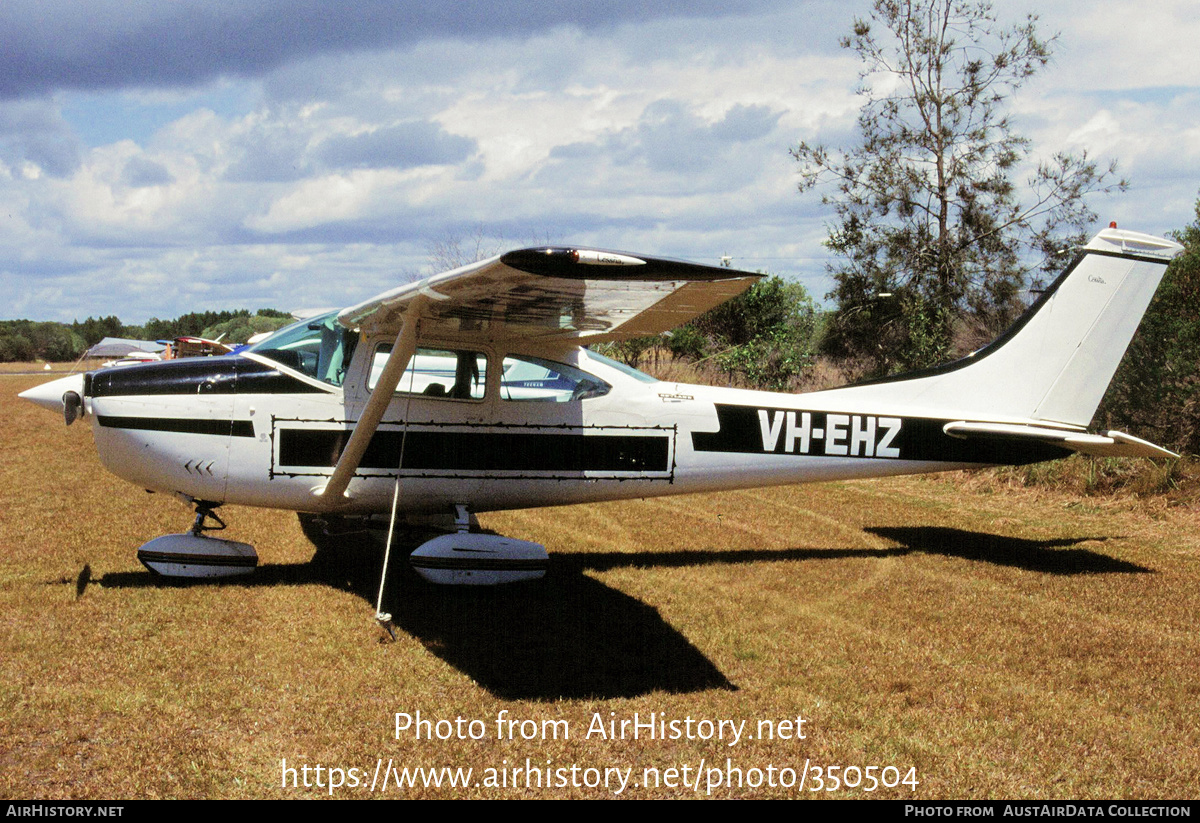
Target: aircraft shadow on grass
(571, 636)
(1045, 556)
(566, 636)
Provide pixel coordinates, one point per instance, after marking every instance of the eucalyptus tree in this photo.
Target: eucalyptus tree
(933, 232)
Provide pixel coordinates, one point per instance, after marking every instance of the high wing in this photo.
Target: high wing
(561, 294)
(554, 294)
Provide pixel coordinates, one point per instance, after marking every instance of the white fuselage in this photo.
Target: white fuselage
(248, 431)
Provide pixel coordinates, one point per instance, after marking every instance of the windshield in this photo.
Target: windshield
(319, 347)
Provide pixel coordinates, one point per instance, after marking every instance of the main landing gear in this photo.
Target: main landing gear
(467, 558)
(193, 554)
(449, 548)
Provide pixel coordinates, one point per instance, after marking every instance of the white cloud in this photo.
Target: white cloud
(663, 130)
(329, 199)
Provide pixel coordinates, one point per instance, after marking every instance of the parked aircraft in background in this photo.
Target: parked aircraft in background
(127, 352)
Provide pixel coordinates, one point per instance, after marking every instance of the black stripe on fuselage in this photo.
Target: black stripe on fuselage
(757, 430)
(481, 451)
(183, 425)
(195, 376)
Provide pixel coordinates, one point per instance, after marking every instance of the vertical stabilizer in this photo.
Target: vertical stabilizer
(1095, 318)
(1056, 361)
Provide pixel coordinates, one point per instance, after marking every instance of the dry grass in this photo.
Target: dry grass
(39, 368)
(55, 369)
(1168, 483)
(1006, 641)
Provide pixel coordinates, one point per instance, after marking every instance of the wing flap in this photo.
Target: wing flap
(1109, 444)
(557, 293)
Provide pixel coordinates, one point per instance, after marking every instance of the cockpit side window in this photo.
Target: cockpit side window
(528, 378)
(319, 347)
(457, 375)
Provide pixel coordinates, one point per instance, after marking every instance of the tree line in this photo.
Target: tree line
(29, 340)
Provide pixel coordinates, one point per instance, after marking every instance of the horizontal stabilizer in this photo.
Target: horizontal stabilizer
(1110, 444)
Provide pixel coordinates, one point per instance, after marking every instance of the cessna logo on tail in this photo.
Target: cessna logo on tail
(848, 435)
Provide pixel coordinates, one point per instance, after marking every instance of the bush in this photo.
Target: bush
(766, 335)
(1155, 393)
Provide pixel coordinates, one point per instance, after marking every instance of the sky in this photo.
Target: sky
(160, 158)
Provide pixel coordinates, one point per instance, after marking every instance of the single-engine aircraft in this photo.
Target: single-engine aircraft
(473, 390)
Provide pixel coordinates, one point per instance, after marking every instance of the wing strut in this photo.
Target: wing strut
(402, 352)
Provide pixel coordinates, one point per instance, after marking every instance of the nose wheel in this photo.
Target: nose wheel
(193, 554)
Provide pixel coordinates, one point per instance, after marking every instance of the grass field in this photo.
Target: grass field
(998, 642)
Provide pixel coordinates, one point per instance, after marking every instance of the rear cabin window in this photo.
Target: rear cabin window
(458, 375)
(534, 379)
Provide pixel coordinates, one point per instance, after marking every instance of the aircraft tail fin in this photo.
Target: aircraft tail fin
(1056, 361)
